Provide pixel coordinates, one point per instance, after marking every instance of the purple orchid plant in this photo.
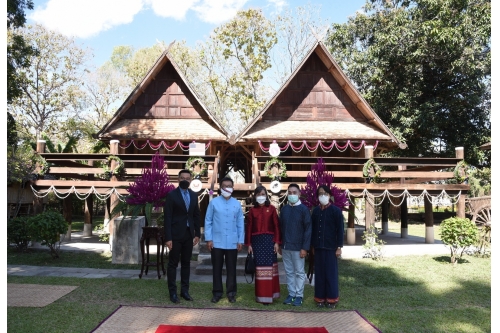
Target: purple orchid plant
(320, 176)
(148, 191)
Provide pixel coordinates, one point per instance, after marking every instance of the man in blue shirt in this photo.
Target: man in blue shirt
(225, 235)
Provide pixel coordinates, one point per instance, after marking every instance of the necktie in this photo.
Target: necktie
(185, 195)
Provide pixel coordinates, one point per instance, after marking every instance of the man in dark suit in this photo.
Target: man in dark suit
(182, 232)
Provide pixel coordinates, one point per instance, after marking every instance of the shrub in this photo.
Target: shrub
(18, 232)
(46, 228)
(373, 247)
(458, 234)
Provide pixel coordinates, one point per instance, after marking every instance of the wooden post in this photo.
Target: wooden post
(369, 211)
(68, 215)
(89, 208)
(369, 206)
(459, 153)
(385, 216)
(38, 202)
(404, 217)
(429, 221)
(107, 204)
(113, 150)
(351, 231)
(87, 223)
(461, 206)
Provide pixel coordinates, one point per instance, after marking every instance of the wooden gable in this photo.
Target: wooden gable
(163, 107)
(318, 102)
(167, 96)
(313, 94)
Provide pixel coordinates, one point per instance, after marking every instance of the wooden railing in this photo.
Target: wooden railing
(77, 172)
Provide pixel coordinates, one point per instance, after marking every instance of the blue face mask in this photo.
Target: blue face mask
(293, 198)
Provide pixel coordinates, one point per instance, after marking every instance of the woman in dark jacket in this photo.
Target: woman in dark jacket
(326, 241)
(263, 238)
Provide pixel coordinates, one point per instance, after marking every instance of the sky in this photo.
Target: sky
(103, 24)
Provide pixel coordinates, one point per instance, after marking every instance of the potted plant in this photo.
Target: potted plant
(148, 191)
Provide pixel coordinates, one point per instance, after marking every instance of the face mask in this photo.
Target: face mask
(260, 200)
(324, 199)
(184, 184)
(293, 198)
(226, 192)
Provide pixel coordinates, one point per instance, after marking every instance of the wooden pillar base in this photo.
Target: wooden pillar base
(351, 236)
(67, 237)
(87, 230)
(385, 228)
(404, 232)
(429, 235)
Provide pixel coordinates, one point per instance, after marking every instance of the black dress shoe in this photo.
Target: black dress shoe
(186, 296)
(174, 299)
(231, 299)
(331, 305)
(215, 299)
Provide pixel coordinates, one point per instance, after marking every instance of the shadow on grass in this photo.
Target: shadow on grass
(447, 259)
(419, 293)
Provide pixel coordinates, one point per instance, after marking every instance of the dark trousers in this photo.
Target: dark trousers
(219, 257)
(183, 249)
(326, 275)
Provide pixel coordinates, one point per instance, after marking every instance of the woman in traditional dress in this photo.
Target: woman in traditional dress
(263, 238)
(326, 241)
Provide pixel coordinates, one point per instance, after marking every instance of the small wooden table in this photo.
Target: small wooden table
(147, 234)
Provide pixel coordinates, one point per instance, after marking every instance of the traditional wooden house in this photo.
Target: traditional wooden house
(163, 113)
(316, 113)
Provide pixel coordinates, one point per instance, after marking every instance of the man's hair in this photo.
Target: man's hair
(294, 185)
(184, 171)
(226, 179)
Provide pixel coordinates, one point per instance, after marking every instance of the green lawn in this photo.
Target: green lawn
(400, 294)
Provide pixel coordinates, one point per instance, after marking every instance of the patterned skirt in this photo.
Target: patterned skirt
(267, 284)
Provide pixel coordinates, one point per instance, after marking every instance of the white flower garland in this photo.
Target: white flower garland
(79, 195)
(365, 194)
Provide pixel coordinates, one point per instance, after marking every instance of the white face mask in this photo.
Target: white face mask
(324, 199)
(260, 200)
(226, 192)
(293, 198)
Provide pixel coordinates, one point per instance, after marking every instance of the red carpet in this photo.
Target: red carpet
(223, 329)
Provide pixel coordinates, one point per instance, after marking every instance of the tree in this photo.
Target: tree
(227, 69)
(135, 64)
(246, 42)
(18, 52)
(11, 131)
(424, 66)
(297, 30)
(51, 84)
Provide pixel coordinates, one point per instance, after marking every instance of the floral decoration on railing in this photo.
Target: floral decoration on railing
(194, 161)
(158, 146)
(326, 148)
(280, 168)
(368, 167)
(117, 171)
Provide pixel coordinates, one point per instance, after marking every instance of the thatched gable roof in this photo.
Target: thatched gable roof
(163, 106)
(318, 102)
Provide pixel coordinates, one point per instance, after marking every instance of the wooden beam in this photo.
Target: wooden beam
(384, 174)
